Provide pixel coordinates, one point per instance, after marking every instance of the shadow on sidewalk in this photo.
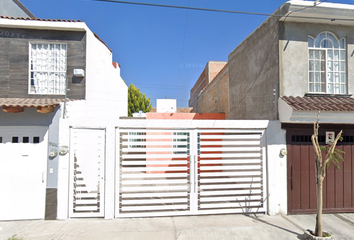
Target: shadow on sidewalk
(256, 218)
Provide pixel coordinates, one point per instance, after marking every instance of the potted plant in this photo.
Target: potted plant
(323, 161)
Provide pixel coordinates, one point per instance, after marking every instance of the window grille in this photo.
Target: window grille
(321, 139)
(47, 68)
(327, 64)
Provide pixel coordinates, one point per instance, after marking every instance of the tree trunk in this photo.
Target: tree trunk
(319, 227)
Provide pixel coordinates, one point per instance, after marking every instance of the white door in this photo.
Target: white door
(23, 161)
(87, 158)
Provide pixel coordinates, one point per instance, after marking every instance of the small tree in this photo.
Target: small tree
(137, 101)
(332, 155)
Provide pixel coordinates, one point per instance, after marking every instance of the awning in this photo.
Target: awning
(15, 105)
(333, 109)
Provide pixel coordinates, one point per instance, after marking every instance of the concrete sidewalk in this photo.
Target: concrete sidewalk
(178, 228)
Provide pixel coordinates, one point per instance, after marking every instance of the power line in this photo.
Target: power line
(222, 11)
(183, 43)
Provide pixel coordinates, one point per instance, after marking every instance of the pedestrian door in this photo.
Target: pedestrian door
(184, 172)
(87, 159)
(23, 161)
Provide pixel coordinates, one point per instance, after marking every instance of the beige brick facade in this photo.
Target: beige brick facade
(210, 93)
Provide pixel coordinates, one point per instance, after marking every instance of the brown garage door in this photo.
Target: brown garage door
(339, 183)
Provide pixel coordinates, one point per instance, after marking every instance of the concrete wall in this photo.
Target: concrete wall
(13, 8)
(293, 52)
(277, 168)
(254, 73)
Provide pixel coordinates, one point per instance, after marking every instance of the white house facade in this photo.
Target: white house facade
(55, 74)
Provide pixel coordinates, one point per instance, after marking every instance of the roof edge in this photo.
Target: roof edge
(24, 8)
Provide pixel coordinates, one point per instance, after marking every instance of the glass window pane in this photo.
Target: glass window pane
(311, 77)
(323, 66)
(330, 77)
(336, 77)
(311, 54)
(47, 62)
(319, 39)
(333, 40)
(323, 77)
(311, 65)
(342, 66)
(336, 54)
(336, 66)
(330, 88)
(311, 87)
(323, 87)
(330, 65)
(336, 89)
(342, 55)
(326, 44)
(343, 89)
(317, 87)
(343, 78)
(330, 55)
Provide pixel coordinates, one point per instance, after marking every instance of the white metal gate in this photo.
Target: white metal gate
(164, 172)
(87, 158)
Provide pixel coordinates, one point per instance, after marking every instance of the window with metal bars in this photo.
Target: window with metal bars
(47, 68)
(327, 64)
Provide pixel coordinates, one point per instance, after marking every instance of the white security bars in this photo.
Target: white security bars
(154, 173)
(87, 158)
(47, 68)
(230, 171)
(167, 172)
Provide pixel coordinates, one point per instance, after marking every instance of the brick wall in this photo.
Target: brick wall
(215, 96)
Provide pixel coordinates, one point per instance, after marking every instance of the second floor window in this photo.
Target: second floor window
(47, 68)
(327, 64)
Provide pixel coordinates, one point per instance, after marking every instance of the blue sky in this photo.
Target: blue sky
(163, 51)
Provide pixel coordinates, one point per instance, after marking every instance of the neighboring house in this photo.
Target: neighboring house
(297, 66)
(167, 109)
(57, 84)
(210, 93)
(14, 8)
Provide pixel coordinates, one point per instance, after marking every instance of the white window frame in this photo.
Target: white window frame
(55, 73)
(338, 73)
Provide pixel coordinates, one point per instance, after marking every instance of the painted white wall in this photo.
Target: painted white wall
(106, 101)
(277, 169)
(106, 92)
(275, 139)
(166, 105)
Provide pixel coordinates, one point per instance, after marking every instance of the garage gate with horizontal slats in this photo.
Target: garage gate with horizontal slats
(169, 172)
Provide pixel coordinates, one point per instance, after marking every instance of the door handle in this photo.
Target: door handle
(291, 178)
